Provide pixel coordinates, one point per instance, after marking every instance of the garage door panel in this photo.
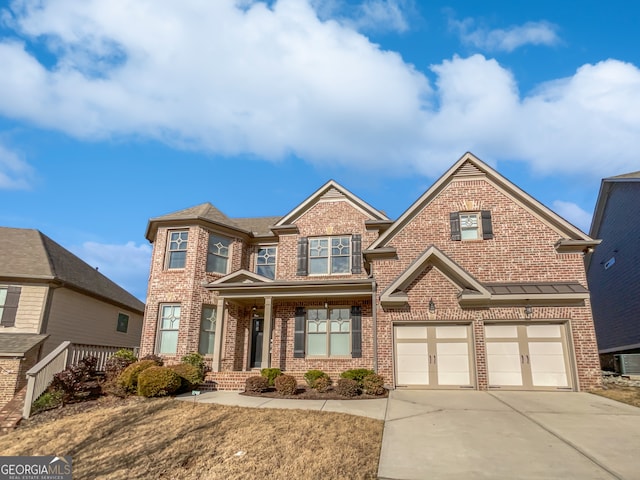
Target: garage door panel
(407, 332)
(548, 379)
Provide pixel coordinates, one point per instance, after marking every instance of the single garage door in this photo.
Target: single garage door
(429, 356)
(527, 357)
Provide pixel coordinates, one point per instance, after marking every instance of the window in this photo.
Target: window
(207, 330)
(471, 225)
(218, 254)
(168, 334)
(328, 332)
(266, 262)
(329, 255)
(177, 249)
(123, 323)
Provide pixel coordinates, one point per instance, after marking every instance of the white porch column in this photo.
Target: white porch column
(217, 342)
(266, 333)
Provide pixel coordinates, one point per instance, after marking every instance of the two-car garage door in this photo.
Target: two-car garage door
(518, 356)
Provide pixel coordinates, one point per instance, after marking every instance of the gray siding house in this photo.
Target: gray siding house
(613, 269)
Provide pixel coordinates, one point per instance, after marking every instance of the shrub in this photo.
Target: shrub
(115, 365)
(47, 401)
(357, 374)
(128, 379)
(191, 376)
(158, 381)
(271, 374)
(312, 376)
(322, 384)
(286, 385)
(73, 379)
(347, 387)
(155, 358)
(195, 359)
(373, 384)
(257, 384)
(125, 354)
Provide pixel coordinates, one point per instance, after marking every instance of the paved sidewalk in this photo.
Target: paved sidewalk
(373, 408)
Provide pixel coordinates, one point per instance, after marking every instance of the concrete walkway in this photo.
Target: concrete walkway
(509, 435)
(365, 408)
(488, 435)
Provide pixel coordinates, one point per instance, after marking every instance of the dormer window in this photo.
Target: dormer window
(471, 225)
(329, 255)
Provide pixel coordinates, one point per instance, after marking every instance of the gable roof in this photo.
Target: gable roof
(27, 254)
(241, 276)
(469, 166)
(468, 285)
(331, 190)
(606, 185)
(209, 214)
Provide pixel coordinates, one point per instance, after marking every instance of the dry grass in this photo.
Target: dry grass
(165, 438)
(621, 393)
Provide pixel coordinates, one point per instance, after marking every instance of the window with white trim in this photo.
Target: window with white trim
(266, 261)
(218, 254)
(328, 332)
(207, 330)
(470, 226)
(177, 249)
(329, 255)
(168, 329)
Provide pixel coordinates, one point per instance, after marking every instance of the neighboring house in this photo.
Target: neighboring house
(47, 296)
(613, 270)
(476, 286)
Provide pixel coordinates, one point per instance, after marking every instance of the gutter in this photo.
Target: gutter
(374, 320)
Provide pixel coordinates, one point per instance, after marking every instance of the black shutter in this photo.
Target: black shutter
(356, 332)
(487, 228)
(303, 247)
(356, 254)
(298, 336)
(10, 307)
(454, 219)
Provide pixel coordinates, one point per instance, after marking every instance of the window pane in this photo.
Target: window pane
(340, 344)
(216, 264)
(340, 265)
(469, 234)
(318, 265)
(317, 344)
(3, 296)
(169, 342)
(206, 343)
(177, 259)
(268, 271)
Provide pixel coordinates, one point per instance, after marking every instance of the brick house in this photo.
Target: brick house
(477, 285)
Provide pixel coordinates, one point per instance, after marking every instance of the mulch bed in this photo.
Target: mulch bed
(304, 393)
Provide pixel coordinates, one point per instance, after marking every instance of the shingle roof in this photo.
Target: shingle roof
(534, 288)
(257, 226)
(19, 343)
(626, 175)
(29, 254)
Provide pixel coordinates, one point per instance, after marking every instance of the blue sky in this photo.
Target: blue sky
(115, 112)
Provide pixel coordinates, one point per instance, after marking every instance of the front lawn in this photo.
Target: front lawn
(164, 438)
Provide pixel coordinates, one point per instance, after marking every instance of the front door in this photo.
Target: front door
(257, 332)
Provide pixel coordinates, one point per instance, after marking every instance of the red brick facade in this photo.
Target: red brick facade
(523, 250)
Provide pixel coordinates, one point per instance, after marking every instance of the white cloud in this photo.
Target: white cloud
(274, 80)
(574, 214)
(381, 15)
(507, 40)
(15, 172)
(127, 265)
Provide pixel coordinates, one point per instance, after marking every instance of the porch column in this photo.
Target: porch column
(217, 339)
(266, 333)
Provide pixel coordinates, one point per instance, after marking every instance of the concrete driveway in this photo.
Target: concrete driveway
(508, 435)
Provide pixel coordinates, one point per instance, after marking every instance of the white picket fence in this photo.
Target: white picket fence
(40, 376)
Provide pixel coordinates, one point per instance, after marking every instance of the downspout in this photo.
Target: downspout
(374, 320)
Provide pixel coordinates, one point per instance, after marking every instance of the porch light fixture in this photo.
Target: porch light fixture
(528, 311)
(432, 306)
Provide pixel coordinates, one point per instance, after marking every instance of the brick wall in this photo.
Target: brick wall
(9, 378)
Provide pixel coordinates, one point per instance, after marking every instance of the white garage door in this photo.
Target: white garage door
(433, 356)
(527, 357)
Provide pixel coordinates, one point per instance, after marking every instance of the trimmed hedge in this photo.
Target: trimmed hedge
(312, 376)
(191, 375)
(128, 379)
(357, 374)
(158, 382)
(373, 384)
(271, 374)
(347, 387)
(256, 384)
(286, 385)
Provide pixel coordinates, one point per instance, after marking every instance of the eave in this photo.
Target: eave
(295, 289)
(567, 245)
